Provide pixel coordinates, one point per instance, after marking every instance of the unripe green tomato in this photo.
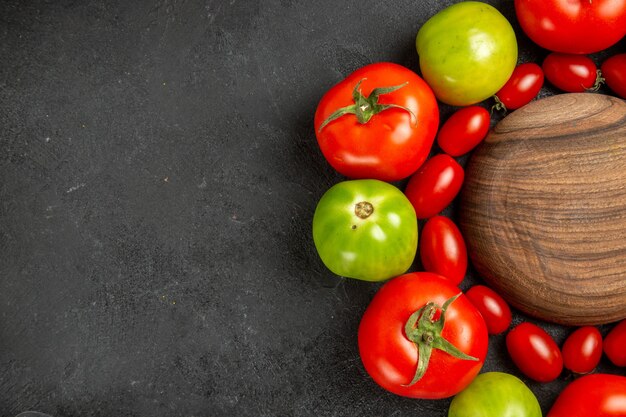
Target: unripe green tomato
(365, 229)
(495, 394)
(467, 52)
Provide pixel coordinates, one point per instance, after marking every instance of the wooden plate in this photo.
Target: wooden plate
(543, 209)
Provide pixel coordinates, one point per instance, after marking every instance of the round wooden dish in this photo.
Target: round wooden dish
(543, 209)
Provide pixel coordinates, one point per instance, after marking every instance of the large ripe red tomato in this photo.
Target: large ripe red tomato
(582, 350)
(571, 73)
(594, 395)
(615, 344)
(434, 185)
(573, 26)
(523, 86)
(420, 337)
(464, 130)
(495, 311)
(534, 352)
(614, 73)
(379, 122)
(442, 249)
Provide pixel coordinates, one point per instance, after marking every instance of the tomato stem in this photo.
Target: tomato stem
(598, 82)
(499, 106)
(364, 108)
(425, 333)
(363, 210)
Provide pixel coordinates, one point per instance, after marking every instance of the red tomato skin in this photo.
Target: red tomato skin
(582, 350)
(392, 144)
(433, 187)
(573, 26)
(615, 344)
(442, 249)
(594, 395)
(464, 130)
(614, 73)
(534, 352)
(495, 311)
(391, 359)
(523, 86)
(570, 73)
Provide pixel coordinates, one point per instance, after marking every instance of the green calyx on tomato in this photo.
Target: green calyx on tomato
(425, 332)
(364, 108)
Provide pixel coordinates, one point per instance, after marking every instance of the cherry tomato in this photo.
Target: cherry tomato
(420, 337)
(614, 73)
(434, 185)
(521, 88)
(573, 26)
(443, 250)
(465, 129)
(492, 307)
(615, 344)
(379, 122)
(582, 350)
(594, 395)
(534, 352)
(571, 73)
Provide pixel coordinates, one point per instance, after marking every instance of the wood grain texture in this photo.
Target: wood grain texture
(543, 209)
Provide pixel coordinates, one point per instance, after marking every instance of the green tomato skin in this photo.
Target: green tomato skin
(376, 248)
(467, 52)
(495, 394)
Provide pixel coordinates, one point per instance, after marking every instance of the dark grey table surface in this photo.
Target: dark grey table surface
(158, 177)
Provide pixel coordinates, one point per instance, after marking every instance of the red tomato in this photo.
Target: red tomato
(492, 307)
(434, 185)
(379, 122)
(614, 73)
(521, 88)
(405, 321)
(573, 26)
(595, 395)
(534, 352)
(571, 73)
(464, 130)
(615, 344)
(582, 350)
(443, 250)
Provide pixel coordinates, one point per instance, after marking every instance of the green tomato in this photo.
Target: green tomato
(495, 394)
(467, 52)
(365, 229)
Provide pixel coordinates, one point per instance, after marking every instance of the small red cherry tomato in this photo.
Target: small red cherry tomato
(570, 73)
(534, 352)
(492, 307)
(614, 73)
(521, 88)
(465, 129)
(582, 350)
(434, 185)
(615, 344)
(443, 249)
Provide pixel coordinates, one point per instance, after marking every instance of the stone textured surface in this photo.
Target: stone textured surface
(158, 177)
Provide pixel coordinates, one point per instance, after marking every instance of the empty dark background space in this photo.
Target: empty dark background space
(158, 177)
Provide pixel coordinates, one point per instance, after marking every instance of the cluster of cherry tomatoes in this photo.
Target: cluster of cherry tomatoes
(421, 336)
